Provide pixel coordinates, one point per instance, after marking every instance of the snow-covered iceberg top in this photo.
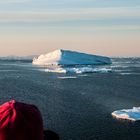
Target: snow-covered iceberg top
(128, 114)
(66, 57)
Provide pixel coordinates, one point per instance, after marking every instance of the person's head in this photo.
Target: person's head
(20, 121)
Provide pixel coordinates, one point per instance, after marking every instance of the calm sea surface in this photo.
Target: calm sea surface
(77, 106)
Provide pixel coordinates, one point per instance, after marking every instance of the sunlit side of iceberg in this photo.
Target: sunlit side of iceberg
(128, 114)
(65, 57)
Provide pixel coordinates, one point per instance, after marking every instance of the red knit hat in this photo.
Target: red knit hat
(19, 121)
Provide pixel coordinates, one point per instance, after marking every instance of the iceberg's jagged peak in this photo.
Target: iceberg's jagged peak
(66, 57)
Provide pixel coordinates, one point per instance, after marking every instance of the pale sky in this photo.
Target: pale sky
(104, 27)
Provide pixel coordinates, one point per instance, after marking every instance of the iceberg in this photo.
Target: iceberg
(66, 57)
(128, 114)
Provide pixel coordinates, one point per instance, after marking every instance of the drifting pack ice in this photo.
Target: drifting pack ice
(128, 114)
(66, 57)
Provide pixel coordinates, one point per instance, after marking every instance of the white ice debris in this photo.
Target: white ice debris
(77, 70)
(128, 114)
(65, 57)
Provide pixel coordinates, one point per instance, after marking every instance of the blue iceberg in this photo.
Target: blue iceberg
(66, 57)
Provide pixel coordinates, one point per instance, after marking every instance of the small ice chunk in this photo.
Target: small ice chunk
(128, 114)
(56, 70)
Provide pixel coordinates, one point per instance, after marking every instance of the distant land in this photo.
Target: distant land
(14, 57)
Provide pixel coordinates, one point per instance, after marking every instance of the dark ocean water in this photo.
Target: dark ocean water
(77, 106)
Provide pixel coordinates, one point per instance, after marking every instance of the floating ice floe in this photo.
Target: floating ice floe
(66, 57)
(56, 70)
(67, 77)
(128, 114)
(77, 70)
(88, 70)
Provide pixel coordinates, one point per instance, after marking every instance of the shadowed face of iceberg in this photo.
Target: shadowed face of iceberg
(65, 57)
